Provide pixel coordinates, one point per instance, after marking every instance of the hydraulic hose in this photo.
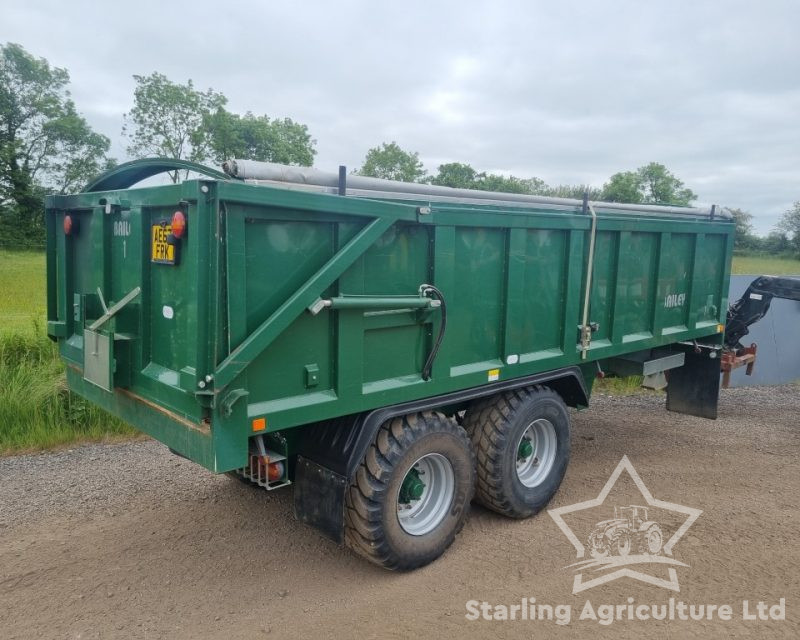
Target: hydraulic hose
(425, 290)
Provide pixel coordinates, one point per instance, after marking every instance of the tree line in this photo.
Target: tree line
(47, 146)
(650, 184)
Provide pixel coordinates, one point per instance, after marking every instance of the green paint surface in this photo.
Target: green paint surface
(225, 336)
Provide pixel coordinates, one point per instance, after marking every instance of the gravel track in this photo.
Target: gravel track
(129, 541)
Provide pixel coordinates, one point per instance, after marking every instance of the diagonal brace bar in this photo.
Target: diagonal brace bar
(273, 326)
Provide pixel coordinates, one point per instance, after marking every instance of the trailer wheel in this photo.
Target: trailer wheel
(411, 494)
(521, 441)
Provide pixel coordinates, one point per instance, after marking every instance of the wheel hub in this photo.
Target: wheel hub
(525, 449)
(536, 452)
(412, 488)
(422, 505)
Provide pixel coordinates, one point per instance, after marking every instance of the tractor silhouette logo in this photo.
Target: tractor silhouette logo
(641, 534)
(629, 531)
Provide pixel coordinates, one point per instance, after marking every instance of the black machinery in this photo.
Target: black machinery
(747, 310)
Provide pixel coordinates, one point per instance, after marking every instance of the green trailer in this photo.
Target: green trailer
(390, 350)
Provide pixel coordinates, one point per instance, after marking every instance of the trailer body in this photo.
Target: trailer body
(221, 339)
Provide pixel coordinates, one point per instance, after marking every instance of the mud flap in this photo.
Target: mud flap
(693, 389)
(319, 498)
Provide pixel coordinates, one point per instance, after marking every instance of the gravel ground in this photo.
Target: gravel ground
(129, 541)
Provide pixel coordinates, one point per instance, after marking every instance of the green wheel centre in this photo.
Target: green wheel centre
(525, 449)
(412, 487)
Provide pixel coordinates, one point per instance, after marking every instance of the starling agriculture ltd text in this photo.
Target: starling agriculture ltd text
(527, 609)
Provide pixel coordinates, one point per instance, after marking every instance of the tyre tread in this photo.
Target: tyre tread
(487, 423)
(363, 529)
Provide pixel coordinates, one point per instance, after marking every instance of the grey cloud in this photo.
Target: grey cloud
(570, 91)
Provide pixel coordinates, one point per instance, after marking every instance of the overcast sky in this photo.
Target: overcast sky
(570, 92)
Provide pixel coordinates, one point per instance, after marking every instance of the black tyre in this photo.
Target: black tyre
(411, 494)
(521, 441)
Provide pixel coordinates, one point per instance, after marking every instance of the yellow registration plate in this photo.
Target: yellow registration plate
(161, 251)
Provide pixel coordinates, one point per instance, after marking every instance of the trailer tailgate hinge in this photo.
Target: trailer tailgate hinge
(230, 400)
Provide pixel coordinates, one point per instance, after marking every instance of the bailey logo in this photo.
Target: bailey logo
(629, 535)
(673, 300)
(122, 228)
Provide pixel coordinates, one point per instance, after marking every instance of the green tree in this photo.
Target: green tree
(464, 176)
(650, 184)
(510, 184)
(455, 174)
(776, 242)
(168, 120)
(789, 225)
(661, 186)
(574, 191)
(744, 238)
(623, 187)
(391, 162)
(258, 138)
(45, 144)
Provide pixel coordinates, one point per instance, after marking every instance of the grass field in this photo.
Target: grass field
(22, 290)
(36, 409)
(761, 266)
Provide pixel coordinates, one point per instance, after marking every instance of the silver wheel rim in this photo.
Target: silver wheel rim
(533, 469)
(423, 515)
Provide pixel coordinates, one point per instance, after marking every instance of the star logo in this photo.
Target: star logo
(633, 536)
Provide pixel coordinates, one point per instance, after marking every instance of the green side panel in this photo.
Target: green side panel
(709, 290)
(540, 324)
(85, 252)
(637, 286)
(675, 283)
(478, 298)
(279, 256)
(394, 352)
(394, 342)
(398, 262)
(603, 282)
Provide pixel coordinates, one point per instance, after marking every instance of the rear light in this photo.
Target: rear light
(178, 224)
(70, 226)
(275, 471)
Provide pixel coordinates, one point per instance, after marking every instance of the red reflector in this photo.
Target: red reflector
(67, 224)
(178, 224)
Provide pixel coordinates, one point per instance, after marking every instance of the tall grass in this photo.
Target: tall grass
(37, 411)
(614, 386)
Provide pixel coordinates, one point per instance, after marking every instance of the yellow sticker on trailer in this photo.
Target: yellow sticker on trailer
(161, 251)
(494, 374)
